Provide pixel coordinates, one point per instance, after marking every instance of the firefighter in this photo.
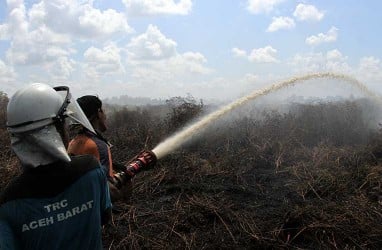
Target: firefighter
(92, 142)
(58, 202)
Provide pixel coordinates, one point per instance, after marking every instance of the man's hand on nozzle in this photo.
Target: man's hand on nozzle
(143, 161)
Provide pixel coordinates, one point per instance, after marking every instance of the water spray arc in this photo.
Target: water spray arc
(174, 142)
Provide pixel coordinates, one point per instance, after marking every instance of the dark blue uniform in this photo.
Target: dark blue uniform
(7, 238)
(58, 206)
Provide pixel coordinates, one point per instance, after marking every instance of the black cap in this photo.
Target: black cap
(90, 104)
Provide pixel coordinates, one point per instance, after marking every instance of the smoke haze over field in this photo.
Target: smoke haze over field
(175, 141)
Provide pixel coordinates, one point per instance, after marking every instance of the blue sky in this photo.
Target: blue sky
(163, 48)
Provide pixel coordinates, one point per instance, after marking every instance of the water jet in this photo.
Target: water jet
(175, 141)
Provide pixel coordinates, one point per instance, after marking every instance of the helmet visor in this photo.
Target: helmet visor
(71, 109)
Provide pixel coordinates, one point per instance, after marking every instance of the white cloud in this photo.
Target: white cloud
(370, 68)
(78, 18)
(180, 68)
(7, 78)
(337, 62)
(14, 3)
(311, 62)
(31, 45)
(261, 6)
(281, 22)
(46, 34)
(17, 20)
(263, 55)
(62, 68)
(239, 52)
(330, 36)
(335, 55)
(154, 60)
(105, 61)
(332, 60)
(306, 12)
(251, 77)
(152, 45)
(106, 23)
(4, 33)
(158, 7)
(6, 72)
(38, 46)
(260, 55)
(193, 61)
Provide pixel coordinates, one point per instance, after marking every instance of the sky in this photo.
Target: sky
(210, 49)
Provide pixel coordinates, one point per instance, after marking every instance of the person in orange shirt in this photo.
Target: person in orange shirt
(88, 142)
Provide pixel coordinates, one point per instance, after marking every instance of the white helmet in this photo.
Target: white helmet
(38, 105)
(31, 114)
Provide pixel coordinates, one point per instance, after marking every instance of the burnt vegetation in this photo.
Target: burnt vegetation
(307, 178)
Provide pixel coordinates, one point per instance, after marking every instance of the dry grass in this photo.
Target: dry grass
(308, 179)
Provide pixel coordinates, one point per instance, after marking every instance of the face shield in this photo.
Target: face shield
(31, 116)
(72, 110)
